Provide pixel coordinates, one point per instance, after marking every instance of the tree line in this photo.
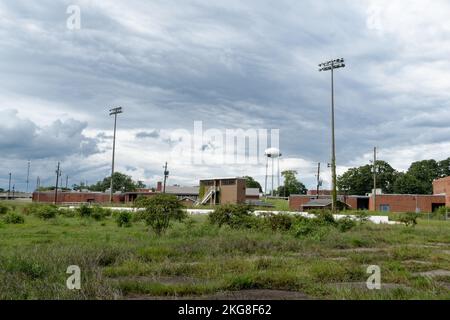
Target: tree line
(417, 180)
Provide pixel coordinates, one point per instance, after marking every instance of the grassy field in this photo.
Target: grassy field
(197, 260)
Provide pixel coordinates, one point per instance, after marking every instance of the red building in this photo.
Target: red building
(386, 202)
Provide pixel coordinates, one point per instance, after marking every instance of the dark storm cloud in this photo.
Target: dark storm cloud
(230, 64)
(23, 139)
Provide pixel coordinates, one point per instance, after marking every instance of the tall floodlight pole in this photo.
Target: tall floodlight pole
(375, 179)
(330, 66)
(318, 180)
(265, 184)
(28, 175)
(114, 112)
(9, 186)
(58, 174)
(166, 174)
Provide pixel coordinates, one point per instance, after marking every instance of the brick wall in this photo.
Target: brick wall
(406, 202)
(441, 186)
(76, 197)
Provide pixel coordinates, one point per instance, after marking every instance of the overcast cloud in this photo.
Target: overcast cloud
(231, 64)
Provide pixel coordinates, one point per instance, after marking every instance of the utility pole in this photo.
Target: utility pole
(375, 178)
(115, 112)
(265, 184)
(9, 186)
(326, 66)
(14, 192)
(58, 173)
(38, 186)
(318, 180)
(166, 175)
(67, 181)
(28, 174)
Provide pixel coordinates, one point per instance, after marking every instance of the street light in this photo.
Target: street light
(330, 66)
(115, 112)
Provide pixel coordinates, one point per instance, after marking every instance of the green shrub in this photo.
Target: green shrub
(304, 227)
(84, 211)
(4, 209)
(409, 218)
(280, 222)
(46, 212)
(14, 218)
(160, 210)
(362, 216)
(123, 218)
(69, 213)
(325, 217)
(98, 213)
(42, 211)
(345, 224)
(234, 215)
(440, 213)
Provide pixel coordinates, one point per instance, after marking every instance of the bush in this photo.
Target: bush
(14, 218)
(42, 211)
(409, 218)
(281, 222)
(98, 213)
(362, 216)
(84, 211)
(3, 209)
(69, 213)
(234, 215)
(304, 227)
(123, 218)
(160, 210)
(345, 224)
(324, 217)
(47, 212)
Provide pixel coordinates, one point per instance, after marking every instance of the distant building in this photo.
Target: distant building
(384, 202)
(227, 190)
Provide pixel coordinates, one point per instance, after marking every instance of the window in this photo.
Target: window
(228, 182)
(385, 207)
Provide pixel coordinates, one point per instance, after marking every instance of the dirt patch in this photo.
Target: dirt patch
(256, 294)
(363, 285)
(359, 250)
(338, 259)
(162, 280)
(417, 262)
(433, 273)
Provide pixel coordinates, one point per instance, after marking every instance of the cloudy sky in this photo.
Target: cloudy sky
(230, 64)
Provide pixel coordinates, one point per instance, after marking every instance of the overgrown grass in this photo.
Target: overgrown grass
(196, 258)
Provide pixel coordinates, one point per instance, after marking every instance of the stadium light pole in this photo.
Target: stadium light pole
(330, 66)
(114, 112)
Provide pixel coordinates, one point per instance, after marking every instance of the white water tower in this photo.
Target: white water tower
(272, 153)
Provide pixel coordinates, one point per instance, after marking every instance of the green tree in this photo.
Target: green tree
(406, 183)
(121, 182)
(420, 175)
(160, 210)
(252, 183)
(291, 184)
(359, 181)
(444, 168)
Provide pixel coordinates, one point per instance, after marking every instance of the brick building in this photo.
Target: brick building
(386, 202)
(227, 190)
